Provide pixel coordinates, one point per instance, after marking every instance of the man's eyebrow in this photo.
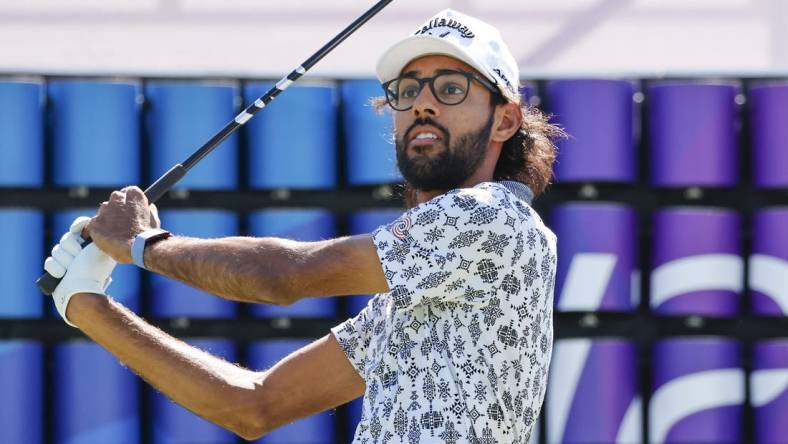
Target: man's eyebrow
(415, 73)
(448, 71)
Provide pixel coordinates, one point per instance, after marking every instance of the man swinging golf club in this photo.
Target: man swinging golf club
(455, 345)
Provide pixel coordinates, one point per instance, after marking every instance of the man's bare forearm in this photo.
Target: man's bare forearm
(271, 270)
(268, 270)
(243, 269)
(214, 389)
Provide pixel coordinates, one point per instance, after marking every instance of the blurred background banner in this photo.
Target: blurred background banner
(263, 39)
(670, 200)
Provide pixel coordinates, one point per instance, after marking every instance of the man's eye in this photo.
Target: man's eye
(453, 89)
(409, 92)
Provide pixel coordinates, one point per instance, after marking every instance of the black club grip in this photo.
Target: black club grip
(47, 283)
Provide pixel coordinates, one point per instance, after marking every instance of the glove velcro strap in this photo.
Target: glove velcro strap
(62, 295)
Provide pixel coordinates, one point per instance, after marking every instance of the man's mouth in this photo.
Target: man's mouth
(424, 137)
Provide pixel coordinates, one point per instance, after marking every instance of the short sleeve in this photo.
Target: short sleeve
(354, 336)
(449, 249)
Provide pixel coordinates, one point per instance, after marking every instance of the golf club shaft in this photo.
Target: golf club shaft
(47, 283)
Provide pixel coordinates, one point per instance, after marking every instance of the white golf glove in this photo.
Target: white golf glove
(85, 270)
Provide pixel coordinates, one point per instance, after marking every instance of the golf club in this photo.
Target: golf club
(47, 283)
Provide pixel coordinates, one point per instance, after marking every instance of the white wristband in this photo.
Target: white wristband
(142, 240)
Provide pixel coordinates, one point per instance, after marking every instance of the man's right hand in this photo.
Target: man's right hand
(84, 270)
(126, 214)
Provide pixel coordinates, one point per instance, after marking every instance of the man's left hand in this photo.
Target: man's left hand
(126, 214)
(83, 270)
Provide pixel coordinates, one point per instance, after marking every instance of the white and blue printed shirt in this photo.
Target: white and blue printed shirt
(458, 350)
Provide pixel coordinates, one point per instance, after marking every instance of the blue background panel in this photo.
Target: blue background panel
(181, 118)
(22, 134)
(95, 133)
(21, 379)
(95, 397)
(354, 408)
(21, 263)
(370, 154)
(292, 143)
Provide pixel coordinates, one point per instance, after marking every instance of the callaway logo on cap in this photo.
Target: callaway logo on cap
(460, 36)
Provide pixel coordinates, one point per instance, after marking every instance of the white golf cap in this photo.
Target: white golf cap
(463, 37)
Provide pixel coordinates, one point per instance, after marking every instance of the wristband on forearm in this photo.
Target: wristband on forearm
(144, 239)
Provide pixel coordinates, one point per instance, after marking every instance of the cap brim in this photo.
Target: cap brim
(392, 62)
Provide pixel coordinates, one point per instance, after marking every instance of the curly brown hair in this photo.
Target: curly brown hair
(527, 157)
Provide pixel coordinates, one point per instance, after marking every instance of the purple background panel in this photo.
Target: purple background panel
(717, 303)
(769, 117)
(598, 228)
(705, 426)
(697, 391)
(683, 231)
(693, 134)
(769, 235)
(608, 385)
(601, 144)
(769, 262)
(676, 357)
(769, 390)
(708, 243)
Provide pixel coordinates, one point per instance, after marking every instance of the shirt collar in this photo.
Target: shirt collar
(519, 189)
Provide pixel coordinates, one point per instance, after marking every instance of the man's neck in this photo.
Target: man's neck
(425, 196)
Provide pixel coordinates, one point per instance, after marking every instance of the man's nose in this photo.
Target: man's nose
(425, 103)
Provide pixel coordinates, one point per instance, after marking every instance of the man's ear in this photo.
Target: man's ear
(508, 119)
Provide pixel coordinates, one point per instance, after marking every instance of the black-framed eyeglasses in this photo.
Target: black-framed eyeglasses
(449, 87)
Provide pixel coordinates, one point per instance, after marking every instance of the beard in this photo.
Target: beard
(451, 167)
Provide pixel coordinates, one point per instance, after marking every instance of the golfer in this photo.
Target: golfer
(456, 343)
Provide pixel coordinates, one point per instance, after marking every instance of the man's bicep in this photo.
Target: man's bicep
(342, 266)
(313, 379)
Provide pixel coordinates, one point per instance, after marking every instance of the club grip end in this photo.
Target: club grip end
(47, 283)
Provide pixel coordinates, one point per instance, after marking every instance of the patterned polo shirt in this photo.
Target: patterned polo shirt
(458, 350)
